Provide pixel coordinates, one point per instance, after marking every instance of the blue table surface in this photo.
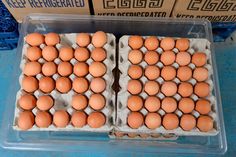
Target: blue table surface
(226, 63)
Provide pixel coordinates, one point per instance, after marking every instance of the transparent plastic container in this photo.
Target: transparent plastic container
(100, 142)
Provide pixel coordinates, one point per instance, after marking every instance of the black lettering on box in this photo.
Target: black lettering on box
(124, 3)
(107, 4)
(139, 4)
(194, 5)
(155, 3)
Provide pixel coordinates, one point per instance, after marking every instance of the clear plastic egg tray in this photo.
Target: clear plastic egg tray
(63, 101)
(196, 45)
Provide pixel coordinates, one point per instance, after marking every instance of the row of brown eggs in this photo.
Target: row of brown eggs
(169, 121)
(98, 39)
(60, 119)
(169, 88)
(168, 104)
(63, 84)
(167, 58)
(65, 53)
(168, 73)
(46, 102)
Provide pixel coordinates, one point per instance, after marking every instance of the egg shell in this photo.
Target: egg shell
(98, 85)
(135, 71)
(81, 69)
(169, 104)
(152, 72)
(151, 57)
(65, 69)
(151, 87)
(32, 68)
(170, 121)
(99, 39)
(61, 118)
(80, 85)
(79, 119)
(135, 120)
(81, 54)
(135, 103)
(168, 73)
(134, 87)
(152, 104)
(29, 84)
(83, 39)
(151, 43)
(63, 84)
(169, 88)
(183, 58)
(167, 43)
(27, 102)
(97, 101)
(182, 44)
(98, 54)
(79, 102)
(97, 69)
(45, 102)
(52, 39)
(66, 53)
(96, 120)
(34, 39)
(49, 53)
(46, 84)
(187, 122)
(153, 120)
(135, 56)
(135, 42)
(43, 119)
(33, 53)
(49, 68)
(25, 120)
(167, 57)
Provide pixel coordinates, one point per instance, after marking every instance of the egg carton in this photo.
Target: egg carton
(63, 101)
(144, 136)
(196, 45)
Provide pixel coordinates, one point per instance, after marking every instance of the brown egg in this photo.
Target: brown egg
(169, 88)
(43, 119)
(35, 39)
(203, 106)
(185, 89)
(135, 56)
(202, 89)
(135, 120)
(49, 68)
(119, 134)
(96, 120)
(135, 71)
(200, 74)
(153, 120)
(134, 86)
(183, 58)
(52, 39)
(49, 53)
(79, 102)
(135, 42)
(144, 135)
(169, 104)
(46, 84)
(187, 122)
(45, 103)
(152, 104)
(152, 72)
(135, 103)
(98, 85)
(97, 69)
(32, 68)
(81, 54)
(65, 68)
(30, 84)
(132, 135)
(81, 69)
(182, 44)
(99, 39)
(83, 39)
(66, 53)
(79, 119)
(80, 85)
(167, 43)
(199, 59)
(151, 57)
(97, 101)
(184, 73)
(63, 84)
(61, 119)
(170, 121)
(25, 120)
(205, 123)
(186, 105)
(168, 57)
(33, 53)
(27, 102)
(98, 54)
(151, 87)
(151, 43)
(168, 73)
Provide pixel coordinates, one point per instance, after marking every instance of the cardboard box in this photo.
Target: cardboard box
(20, 8)
(142, 8)
(213, 10)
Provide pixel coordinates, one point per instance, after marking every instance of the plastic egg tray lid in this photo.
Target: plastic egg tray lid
(196, 45)
(63, 101)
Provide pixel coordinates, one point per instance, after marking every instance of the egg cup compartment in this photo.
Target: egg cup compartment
(62, 101)
(142, 136)
(196, 45)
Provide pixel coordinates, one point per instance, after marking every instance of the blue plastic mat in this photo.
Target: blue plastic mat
(8, 29)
